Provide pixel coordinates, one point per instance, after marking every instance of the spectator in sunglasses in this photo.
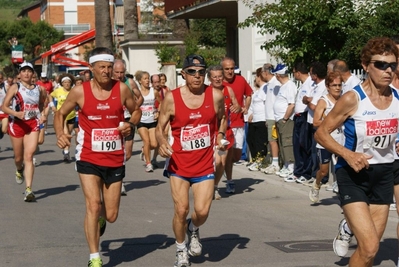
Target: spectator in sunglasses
(369, 113)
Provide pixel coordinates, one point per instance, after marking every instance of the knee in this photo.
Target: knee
(369, 251)
(112, 216)
(181, 212)
(323, 173)
(94, 208)
(202, 212)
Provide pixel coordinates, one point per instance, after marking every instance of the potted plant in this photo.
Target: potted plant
(167, 54)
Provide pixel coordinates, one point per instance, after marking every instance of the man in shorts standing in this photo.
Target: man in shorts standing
(240, 88)
(198, 125)
(100, 157)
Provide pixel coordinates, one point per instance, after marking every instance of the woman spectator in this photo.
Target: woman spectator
(364, 173)
(324, 106)
(27, 102)
(148, 122)
(257, 130)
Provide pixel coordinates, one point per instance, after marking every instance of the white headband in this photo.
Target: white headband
(66, 78)
(101, 57)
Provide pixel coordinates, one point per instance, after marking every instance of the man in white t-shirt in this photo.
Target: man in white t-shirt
(349, 80)
(283, 114)
(318, 72)
(272, 88)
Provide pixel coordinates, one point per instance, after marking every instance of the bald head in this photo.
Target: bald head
(119, 70)
(341, 66)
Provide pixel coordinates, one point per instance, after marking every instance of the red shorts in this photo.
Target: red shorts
(3, 116)
(230, 137)
(19, 128)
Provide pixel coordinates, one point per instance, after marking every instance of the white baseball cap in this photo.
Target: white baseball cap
(43, 75)
(26, 65)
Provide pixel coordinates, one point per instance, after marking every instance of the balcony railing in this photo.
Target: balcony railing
(72, 28)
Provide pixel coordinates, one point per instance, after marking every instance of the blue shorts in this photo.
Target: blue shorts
(324, 155)
(194, 180)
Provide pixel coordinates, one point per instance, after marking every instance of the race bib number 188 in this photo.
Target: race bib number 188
(106, 140)
(195, 138)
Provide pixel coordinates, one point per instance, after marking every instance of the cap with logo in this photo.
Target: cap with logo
(26, 65)
(189, 61)
(280, 69)
(43, 75)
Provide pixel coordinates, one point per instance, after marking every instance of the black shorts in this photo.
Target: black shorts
(324, 155)
(131, 135)
(76, 123)
(396, 172)
(373, 185)
(71, 121)
(147, 125)
(108, 174)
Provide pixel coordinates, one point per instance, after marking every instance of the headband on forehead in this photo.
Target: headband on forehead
(101, 57)
(65, 78)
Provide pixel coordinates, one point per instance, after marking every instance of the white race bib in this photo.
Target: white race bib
(106, 140)
(195, 138)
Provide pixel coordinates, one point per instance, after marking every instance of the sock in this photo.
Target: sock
(347, 229)
(181, 246)
(66, 151)
(275, 161)
(290, 167)
(94, 255)
(192, 227)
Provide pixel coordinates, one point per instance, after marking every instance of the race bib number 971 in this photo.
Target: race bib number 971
(106, 140)
(381, 133)
(195, 138)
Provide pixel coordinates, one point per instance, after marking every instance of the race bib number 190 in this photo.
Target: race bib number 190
(195, 138)
(106, 140)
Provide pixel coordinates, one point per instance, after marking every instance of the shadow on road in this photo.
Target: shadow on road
(142, 184)
(132, 249)
(334, 200)
(43, 193)
(386, 252)
(243, 185)
(213, 250)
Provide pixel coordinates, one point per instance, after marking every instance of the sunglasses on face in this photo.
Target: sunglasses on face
(382, 65)
(193, 72)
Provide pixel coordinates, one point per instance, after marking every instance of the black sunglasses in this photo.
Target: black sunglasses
(193, 72)
(382, 65)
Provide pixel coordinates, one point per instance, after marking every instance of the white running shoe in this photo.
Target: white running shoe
(284, 173)
(216, 195)
(254, 167)
(314, 192)
(182, 259)
(392, 206)
(123, 189)
(290, 179)
(342, 240)
(194, 241)
(149, 168)
(272, 169)
(309, 182)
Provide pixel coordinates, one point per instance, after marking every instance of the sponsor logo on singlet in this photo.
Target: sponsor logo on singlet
(103, 106)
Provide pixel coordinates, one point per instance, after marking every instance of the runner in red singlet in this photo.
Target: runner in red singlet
(100, 157)
(195, 114)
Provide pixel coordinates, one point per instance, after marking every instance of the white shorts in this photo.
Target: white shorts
(239, 135)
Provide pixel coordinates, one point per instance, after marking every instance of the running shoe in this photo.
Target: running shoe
(272, 169)
(230, 188)
(182, 259)
(254, 167)
(216, 195)
(237, 163)
(123, 189)
(342, 240)
(194, 241)
(67, 158)
(290, 179)
(149, 167)
(392, 206)
(29, 196)
(19, 176)
(284, 173)
(314, 192)
(96, 262)
(103, 225)
(301, 180)
(309, 182)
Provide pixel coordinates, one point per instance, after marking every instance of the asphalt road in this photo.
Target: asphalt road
(267, 222)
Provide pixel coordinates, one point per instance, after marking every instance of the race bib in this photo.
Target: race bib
(147, 111)
(195, 138)
(381, 133)
(31, 111)
(106, 140)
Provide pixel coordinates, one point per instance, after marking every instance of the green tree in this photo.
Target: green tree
(36, 38)
(307, 31)
(131, 24)
(211, 32)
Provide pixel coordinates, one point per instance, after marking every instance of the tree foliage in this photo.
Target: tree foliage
(36, 38)
(322, 30)
(211, 32)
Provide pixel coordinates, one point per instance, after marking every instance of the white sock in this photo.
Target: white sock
(275, 161)
(66, 151)
(347, 229)
(94, 255)
(181, 246)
